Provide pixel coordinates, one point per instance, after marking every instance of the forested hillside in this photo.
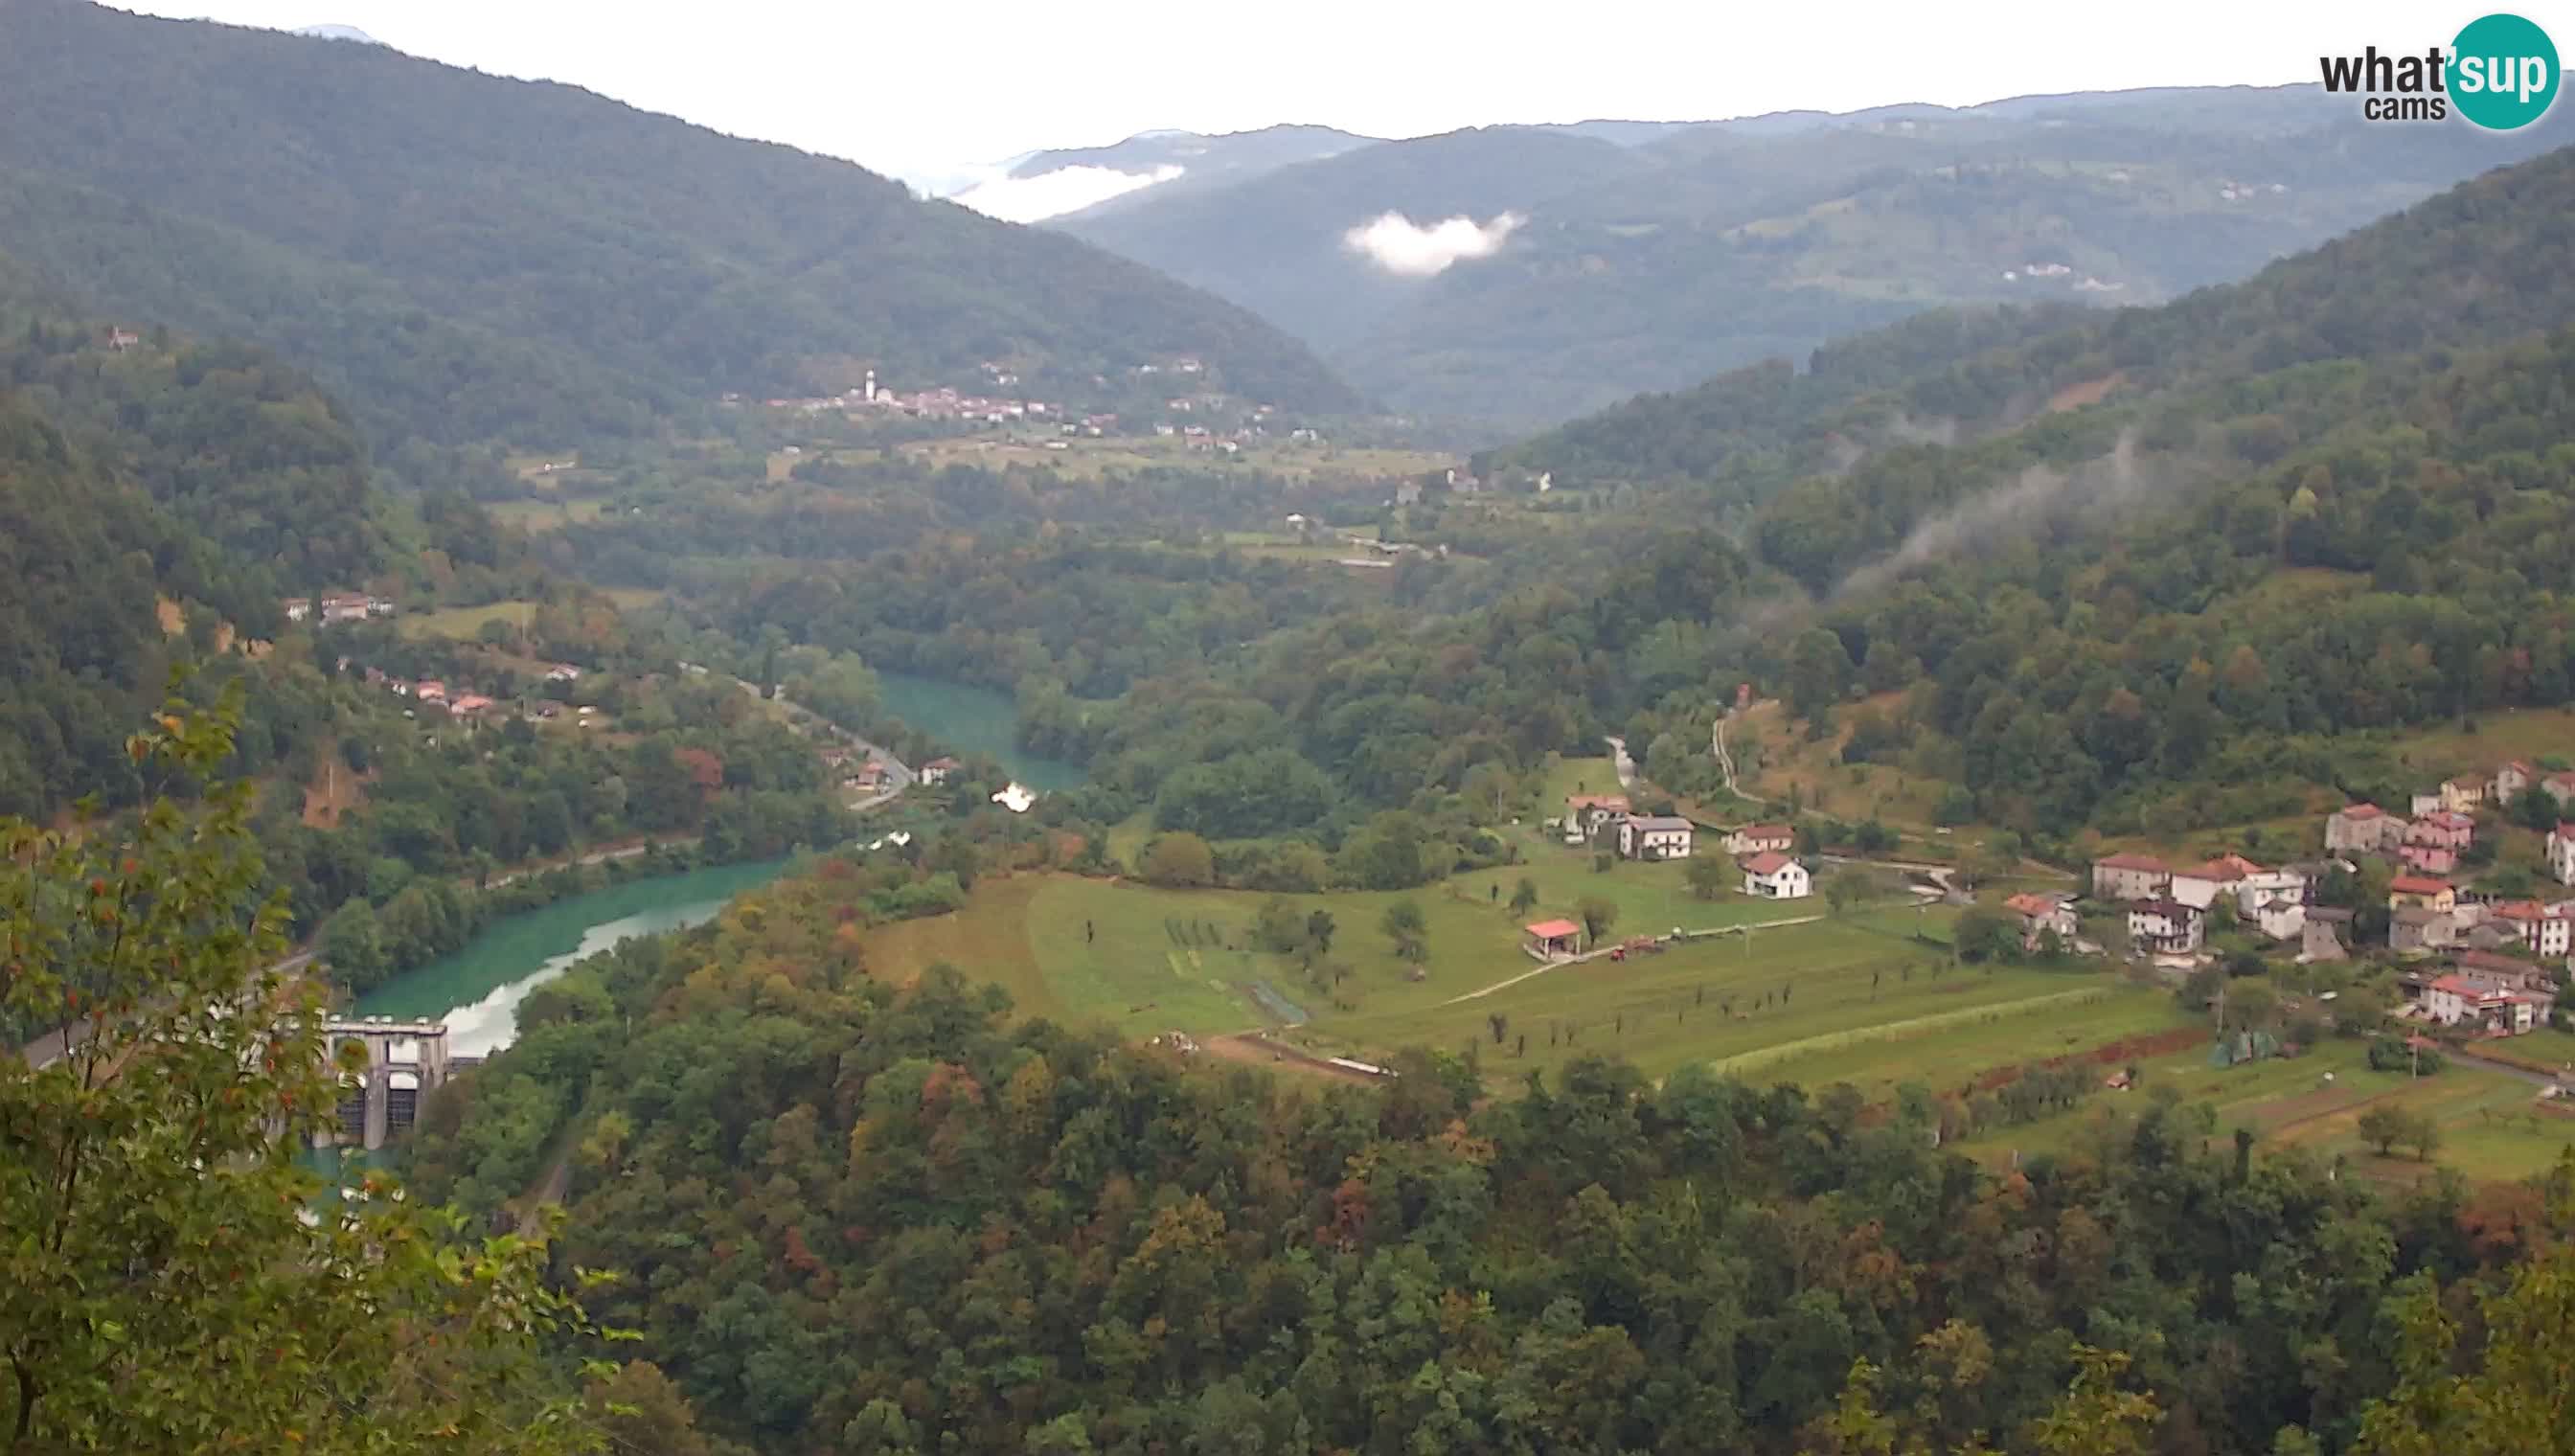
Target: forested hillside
(389, 223)
(877, 1221)
(1649, 267)
(2332, 498)
(2091, 569)
(157, 498)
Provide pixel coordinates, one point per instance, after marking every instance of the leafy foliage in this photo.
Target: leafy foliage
(158, 1249)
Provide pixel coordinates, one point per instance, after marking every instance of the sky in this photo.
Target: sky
(929, 91)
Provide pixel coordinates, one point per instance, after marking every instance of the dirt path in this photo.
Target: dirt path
(1254, 1049)
(1726, 761)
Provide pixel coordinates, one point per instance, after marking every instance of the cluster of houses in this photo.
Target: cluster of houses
(339, 606)
(2497, 983)
(1762, 851)
(471, 707)
(2168, 906)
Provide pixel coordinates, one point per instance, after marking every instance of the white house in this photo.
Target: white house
(1762, 838)
(1773, 875)
(1589, 811)
(2281, 919)
(2477, 1001)
(1654, 836)
(2165, 926)
(2561, 852)
(937, 769)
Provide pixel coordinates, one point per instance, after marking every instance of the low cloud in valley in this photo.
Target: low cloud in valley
(1404, 247)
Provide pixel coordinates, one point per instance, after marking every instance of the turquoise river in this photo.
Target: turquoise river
(477, 990)
(972, 721)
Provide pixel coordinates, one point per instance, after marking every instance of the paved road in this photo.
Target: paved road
(1618, 759)
(44, 1052)
(2523, 1073)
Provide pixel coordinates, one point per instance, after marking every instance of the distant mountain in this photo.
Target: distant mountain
(2137, 570)
(1331, 247)
(1053, 183)
(463, 257)
(1696, 248)
(338, 32)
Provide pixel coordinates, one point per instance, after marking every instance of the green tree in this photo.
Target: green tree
(156, 1251)
(2383, 1125)
(1983, 936)
(1404, 926)
(1319, 927)
(1178, 861)
(1524, 895)
(1597, 916)
(1706, 875)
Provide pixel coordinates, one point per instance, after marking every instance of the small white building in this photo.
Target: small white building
(1762, 838)
(2561, 852)
(937, 769)
(1654, 836)
(2281, 919)
(1773, 875)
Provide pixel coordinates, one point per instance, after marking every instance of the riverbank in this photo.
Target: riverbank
(476, 990)
(968, 719)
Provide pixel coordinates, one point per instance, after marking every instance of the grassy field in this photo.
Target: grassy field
(2529, 734)
(465, 622)
(1575, 775)
(1822, 783)
(2094, 1011)
(2492, 1128)
(1831, 1000)
(1148, 959)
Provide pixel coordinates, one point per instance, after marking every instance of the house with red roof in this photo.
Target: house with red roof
(937, 769)
(1773, 875)
(2487, 1005)
(2130, 877)
(2434, 843)
(1585, 815)
(2363, 829)
(2423, 892)
(2541, 929)
(2040, 915)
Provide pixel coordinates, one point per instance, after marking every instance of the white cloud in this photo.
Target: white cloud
(1053, 194)
(1400, 244)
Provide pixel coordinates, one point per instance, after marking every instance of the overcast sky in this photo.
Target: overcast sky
(927, 89)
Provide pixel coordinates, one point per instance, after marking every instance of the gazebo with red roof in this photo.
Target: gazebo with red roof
(1554, 937)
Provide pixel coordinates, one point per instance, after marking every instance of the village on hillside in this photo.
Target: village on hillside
(2483, 964)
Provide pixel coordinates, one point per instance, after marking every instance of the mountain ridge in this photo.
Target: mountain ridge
(632, 246)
